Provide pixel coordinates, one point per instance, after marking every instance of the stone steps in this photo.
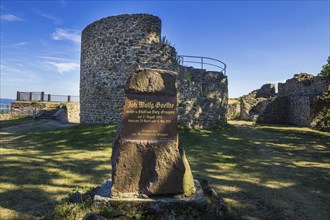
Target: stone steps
(46, 114)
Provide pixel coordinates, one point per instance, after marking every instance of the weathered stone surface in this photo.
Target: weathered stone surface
(246, 103)
(147, 158)
(205, 203)
(233, 109)
(266, 91)
(275, 112)
(303, 84)
(253, 104)
(301, 101)
(144, 167)
(319, 110)
(73, 111)
(114, 46)
(111, 49)
(202, 98)
(25, 108)
(155, 81)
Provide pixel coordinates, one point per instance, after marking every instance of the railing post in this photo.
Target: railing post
(42, 96)
(201, 62)
(69, 98)
(48, 98)
(18, 96)
(30, 96)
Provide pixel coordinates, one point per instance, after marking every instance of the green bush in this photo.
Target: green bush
(325, 72)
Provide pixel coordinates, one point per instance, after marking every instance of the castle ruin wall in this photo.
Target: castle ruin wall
(112, 48)
(115, 46)
(304, 102)
(202, 98)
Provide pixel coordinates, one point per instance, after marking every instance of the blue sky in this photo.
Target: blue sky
(260, 41)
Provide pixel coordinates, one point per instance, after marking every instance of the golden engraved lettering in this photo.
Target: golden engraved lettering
(150, 118)
(132, 104)
(163, 112)
(133, 121)
(147, 105)
(150, 105)
(162, 135)
(164, 105)
(155, 112)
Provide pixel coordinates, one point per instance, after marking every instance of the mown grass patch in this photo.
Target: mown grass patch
(263, 172)
(41, 165)
(14, 121)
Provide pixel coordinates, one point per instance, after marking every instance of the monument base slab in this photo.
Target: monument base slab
(198, 206)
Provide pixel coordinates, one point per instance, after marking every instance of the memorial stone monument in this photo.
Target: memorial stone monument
(147, 158)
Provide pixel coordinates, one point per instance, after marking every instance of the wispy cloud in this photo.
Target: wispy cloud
(17, 75)
(19, 45)
(67, 34)
(51, 58)
(56, 20)
(10, 17)
(64, 67)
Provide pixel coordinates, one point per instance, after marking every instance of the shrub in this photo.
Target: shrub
(325, 72)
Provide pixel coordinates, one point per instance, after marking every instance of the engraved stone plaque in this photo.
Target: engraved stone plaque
(146, 157)
(149, 117)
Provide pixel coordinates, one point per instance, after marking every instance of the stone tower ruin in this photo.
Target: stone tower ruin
(115, 46)
(111, 48)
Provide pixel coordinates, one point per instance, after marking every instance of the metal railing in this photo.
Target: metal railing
(202, 62)
(41, 96)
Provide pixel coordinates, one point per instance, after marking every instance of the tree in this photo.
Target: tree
(325, 72)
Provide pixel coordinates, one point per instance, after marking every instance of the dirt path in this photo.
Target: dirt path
(35, 125)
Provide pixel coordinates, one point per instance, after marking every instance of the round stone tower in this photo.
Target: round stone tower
(111, 49)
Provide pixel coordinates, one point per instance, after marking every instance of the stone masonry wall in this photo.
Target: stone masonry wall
(73, 112)
(233, 109)
(25, 108)
(303, 100)
(302, 84)
(203, 98)
(252, 104)
(113, 47)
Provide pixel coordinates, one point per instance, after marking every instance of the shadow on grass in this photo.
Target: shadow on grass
(41, 166)
(264, 172)
(14, 121)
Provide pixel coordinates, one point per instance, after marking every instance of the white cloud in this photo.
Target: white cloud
(10, 17)
(56, 20)
(17, 75)
(67, 34)
(19, 45)
(53, 58)
(64, 67)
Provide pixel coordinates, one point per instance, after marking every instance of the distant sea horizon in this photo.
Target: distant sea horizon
(5, 103)
(6, 100)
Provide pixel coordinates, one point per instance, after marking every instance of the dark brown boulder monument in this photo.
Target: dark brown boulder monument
(147, 158)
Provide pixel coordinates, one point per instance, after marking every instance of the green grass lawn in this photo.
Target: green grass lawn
(263, 172)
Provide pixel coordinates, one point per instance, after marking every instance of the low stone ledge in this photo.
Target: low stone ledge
(205, 203)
